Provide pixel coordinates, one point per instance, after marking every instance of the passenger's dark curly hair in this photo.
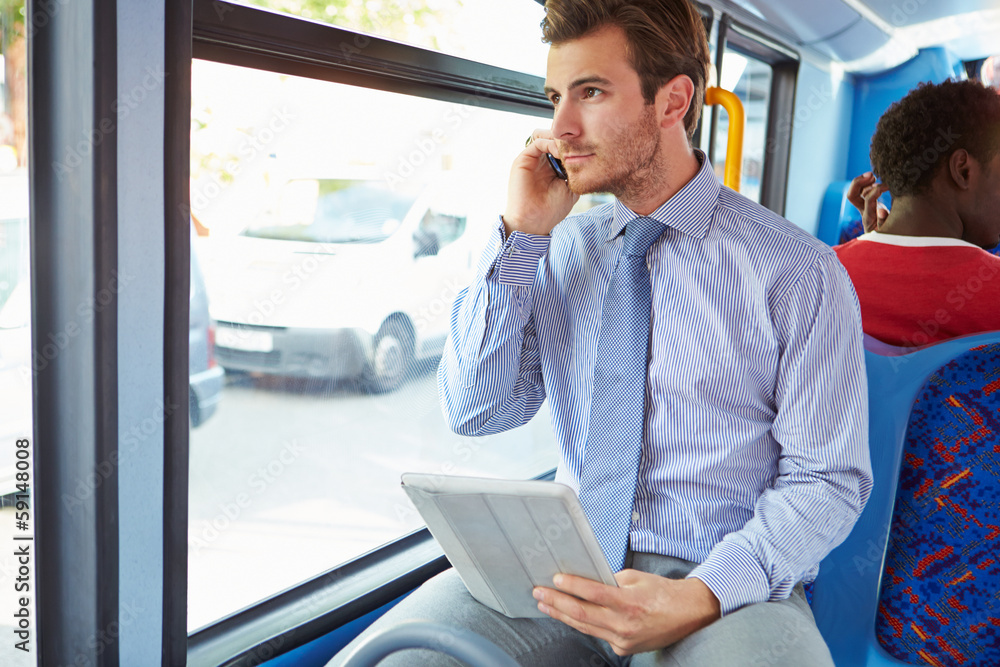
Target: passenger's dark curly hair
(920, 132)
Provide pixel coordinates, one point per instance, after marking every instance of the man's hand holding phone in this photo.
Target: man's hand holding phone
(537, 199)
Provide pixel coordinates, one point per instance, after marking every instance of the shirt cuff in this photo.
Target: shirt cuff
(513, 260)
(734, 576)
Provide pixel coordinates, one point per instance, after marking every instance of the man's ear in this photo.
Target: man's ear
(960, 166)
(674, 99)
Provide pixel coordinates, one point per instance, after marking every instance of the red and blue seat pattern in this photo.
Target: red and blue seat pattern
(851, 229)
(940, 595)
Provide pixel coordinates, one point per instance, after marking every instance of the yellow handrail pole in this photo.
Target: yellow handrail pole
(734, 144)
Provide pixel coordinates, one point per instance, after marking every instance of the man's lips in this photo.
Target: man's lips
(576, 158)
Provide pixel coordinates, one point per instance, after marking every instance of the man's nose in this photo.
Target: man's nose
(565, 122)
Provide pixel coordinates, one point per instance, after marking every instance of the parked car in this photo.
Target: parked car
(205, 388)
(206, 376)
(347, 278)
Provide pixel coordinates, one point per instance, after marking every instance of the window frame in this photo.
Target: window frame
(265, 40)
(312, 609)
(177, 312)
(784, 63)
(74, 249)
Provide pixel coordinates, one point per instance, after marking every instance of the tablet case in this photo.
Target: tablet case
(505, 537)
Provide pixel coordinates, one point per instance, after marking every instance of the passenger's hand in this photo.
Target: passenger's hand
(644, 613)
(537, 200)
(863, 194)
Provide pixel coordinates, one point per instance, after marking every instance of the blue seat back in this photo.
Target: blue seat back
(940, 593)
(846, 592)
(839, 221)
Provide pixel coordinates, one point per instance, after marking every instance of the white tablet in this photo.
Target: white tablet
(504, 537)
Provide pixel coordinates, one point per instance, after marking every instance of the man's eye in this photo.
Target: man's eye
(592, 92)
(554, 99)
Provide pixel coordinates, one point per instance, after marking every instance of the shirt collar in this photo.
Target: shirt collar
(689, 210)
(915, 241)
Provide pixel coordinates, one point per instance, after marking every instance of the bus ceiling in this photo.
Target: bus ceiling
(873, 35)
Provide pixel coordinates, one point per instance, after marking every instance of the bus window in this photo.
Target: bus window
(750, 79)
(341, 225)
(482, 30)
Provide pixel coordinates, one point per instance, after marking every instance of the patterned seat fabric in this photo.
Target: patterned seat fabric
(940, 597)
(851, 230)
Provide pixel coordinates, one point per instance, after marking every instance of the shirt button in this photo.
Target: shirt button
(635, 516)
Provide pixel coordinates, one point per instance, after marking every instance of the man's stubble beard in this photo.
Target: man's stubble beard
(632, 161)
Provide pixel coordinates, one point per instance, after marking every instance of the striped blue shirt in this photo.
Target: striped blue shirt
(755, 448)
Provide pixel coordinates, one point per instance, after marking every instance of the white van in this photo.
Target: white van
(315, 288)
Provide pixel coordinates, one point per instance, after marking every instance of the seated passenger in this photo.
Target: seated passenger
(716, 487)
(922, 276)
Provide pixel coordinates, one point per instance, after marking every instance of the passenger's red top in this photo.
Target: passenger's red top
(916, 290)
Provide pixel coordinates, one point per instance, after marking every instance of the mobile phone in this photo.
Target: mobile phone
(557, 166)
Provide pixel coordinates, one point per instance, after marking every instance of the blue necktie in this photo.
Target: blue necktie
(614, 442)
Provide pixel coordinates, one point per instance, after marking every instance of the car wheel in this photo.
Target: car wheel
(239, 377)
(392, 358)
(194, 410)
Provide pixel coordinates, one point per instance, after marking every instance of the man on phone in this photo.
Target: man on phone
(702, 358)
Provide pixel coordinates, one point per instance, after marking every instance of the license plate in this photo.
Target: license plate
(242, 339)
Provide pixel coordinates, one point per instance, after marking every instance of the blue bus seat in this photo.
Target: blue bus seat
(465, 645)
(839, 221)
(319, 651)
(939, 596)
(846, 591)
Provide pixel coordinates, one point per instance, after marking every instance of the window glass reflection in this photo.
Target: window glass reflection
(497, 32)
(335, 227)
(15, 294)
(17, 367)
(335, 211)
(750, 79)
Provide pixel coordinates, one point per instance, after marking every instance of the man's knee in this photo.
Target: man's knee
(768, 634)
(794, 641)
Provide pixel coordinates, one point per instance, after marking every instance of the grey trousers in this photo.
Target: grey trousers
(767, 634)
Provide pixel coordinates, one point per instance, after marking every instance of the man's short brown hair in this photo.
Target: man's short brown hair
(664, 38)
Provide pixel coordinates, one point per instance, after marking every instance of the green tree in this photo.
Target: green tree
(414, 21)
(13, 46)
(11, 21)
